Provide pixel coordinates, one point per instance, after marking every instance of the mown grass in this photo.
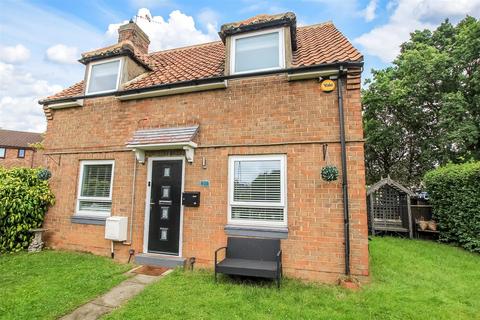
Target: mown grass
(410, 280)
(49, 284)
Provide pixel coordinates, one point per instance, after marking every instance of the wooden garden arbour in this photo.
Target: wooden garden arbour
(388, 204)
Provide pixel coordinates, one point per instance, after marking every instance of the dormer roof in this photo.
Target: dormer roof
(262, 21)
(119, 49)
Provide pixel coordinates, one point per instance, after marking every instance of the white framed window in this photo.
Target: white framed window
(2, 152)
(257, 190)
(95, 187)
(103, 76)
(257, 51)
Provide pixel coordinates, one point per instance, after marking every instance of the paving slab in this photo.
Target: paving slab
(113, 298)
(89, 311)
(119, 294)
(144, 279)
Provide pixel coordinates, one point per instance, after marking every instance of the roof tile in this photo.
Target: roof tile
(19, 139)
(316, 44)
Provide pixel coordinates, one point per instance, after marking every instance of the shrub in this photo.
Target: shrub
(24, 200)
(455, 195)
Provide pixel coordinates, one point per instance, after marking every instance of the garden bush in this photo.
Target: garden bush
(454, 191)
(24, 199)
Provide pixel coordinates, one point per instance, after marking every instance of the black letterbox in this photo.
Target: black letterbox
(191, 199)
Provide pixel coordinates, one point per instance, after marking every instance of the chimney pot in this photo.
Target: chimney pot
(133, 33)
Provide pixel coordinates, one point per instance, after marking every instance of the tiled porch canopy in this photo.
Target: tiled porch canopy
(163, 139)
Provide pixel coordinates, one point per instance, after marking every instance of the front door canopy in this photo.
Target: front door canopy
(163, 139)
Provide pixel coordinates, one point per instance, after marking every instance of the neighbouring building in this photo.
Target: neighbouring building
(243, 125)
(16, 149)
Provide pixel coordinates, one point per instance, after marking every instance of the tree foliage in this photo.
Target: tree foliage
(424, 110)
(24, 200)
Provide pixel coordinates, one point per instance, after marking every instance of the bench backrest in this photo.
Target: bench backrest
(253, 249)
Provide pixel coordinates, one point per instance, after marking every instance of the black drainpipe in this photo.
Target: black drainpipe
(346, 214)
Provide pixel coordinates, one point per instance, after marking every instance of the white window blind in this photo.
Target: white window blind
(257, 214)
(257, 51)
(257, 181)
(103, 77)
(257, 189)
(95, 194)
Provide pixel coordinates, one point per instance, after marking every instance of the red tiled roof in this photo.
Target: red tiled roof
(189, 63)
(19, 139)
(162, 135)
(72, 91)
(323, 43)
(316, 44)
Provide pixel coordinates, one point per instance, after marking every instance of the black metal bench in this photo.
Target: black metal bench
(251, 257)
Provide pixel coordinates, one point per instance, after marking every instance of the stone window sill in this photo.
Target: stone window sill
(260, 232)
(94, 220)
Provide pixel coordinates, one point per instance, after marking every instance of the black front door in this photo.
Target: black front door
(165, 202)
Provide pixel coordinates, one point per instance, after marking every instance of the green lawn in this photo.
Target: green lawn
(410, 280)
(51, 283)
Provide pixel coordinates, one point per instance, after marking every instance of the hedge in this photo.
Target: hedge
(24, 199)
(454, 191)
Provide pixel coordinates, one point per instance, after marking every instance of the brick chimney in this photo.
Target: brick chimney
(132, 32)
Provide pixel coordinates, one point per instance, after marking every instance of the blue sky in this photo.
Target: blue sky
(40, 41)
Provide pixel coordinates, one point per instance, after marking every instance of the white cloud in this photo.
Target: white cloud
(62, 28)
(19, 93)
(61, 53)
(14, 54)
(179, 30)
(22, 85)
(209, 19)
(369, 12)
(408, 15)
(391, 5)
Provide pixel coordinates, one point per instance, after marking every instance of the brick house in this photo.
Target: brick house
(248, 122)
(16, 149)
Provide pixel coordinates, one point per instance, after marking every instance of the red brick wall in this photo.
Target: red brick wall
(252, 116)
(32, 159)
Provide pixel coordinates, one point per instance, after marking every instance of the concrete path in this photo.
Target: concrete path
(114, 298)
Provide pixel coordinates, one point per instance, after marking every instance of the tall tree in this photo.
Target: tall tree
(424, 110)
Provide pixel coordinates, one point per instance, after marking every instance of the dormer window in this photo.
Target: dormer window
(257, 51)
(103, 76)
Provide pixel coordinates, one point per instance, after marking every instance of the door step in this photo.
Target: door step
(152, 259)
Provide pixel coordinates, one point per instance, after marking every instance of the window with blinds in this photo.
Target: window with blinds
(95, 189)
(257, 190)
(257, 51)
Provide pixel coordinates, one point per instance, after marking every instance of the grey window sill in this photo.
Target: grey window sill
(260, 232)
(88, 220)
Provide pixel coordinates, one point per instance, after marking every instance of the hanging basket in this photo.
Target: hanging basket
(44, 174)
(329, 173)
